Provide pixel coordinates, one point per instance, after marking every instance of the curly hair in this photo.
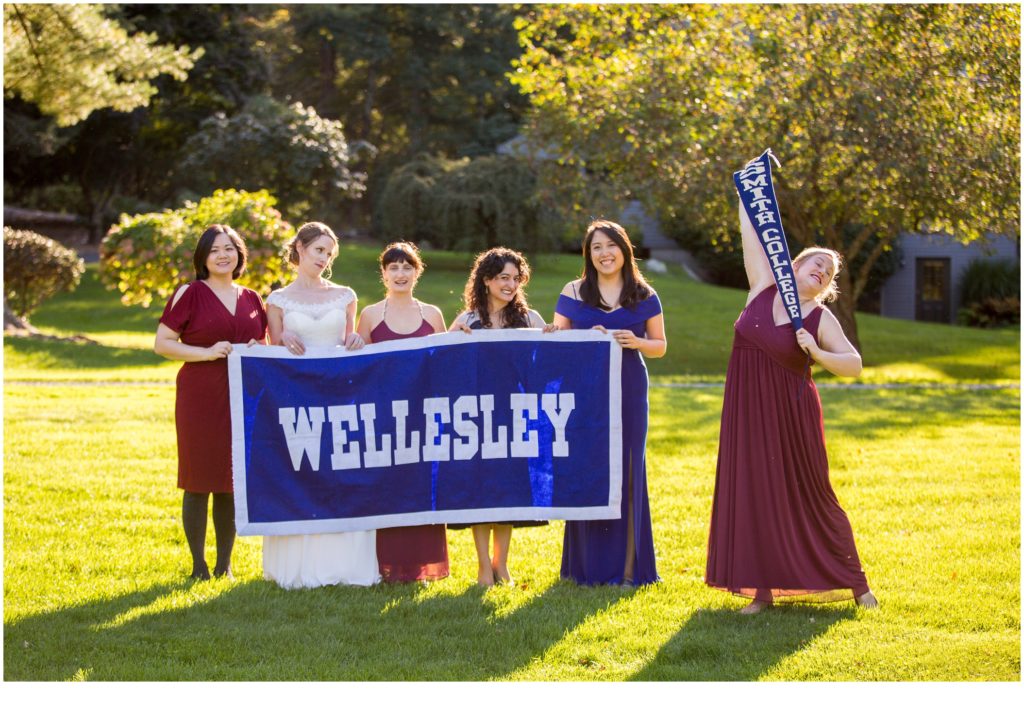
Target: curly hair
(635, 288)
(487, 266)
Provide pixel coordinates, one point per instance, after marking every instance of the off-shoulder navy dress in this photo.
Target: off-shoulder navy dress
(594, 552)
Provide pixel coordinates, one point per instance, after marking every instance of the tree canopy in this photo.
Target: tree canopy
(303, 158)
(892, 117)
(70, 60)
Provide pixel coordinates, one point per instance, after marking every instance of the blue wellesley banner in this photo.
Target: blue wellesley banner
(450, 428)
(757, 193)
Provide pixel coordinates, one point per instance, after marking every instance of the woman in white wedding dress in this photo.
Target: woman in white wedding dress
(313, 312)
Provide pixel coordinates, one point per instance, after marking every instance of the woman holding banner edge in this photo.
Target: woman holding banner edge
(314, 312)
(199, 324)
(405, 553)
(494, 298)
(613, 296)
(777, 529)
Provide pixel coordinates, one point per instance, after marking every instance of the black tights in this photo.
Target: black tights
(193, 517)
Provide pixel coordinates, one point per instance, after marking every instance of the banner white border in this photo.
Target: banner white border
(532, 513)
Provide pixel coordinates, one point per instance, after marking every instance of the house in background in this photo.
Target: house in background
(927, 285)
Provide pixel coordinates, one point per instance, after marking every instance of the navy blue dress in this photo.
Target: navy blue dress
(594, 552)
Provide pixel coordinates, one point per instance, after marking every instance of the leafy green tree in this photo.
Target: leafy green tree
(114, 161)
(407, 78)
(468, 205)
(71, 60)
(891, 117)
(288, 149)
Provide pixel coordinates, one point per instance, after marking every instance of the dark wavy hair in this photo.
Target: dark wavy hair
(307, 234)
(488, 265)
(635, 288)
(206, 243)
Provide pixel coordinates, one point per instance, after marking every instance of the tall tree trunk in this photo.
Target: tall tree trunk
(844, 308)
(328, 75)
(14, 322)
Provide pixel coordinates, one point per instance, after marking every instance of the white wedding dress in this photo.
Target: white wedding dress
(306, 561)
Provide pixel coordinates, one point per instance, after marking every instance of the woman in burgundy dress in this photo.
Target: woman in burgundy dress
(198, 326)
(405, 553)
(612, 295)
(494, 299)
(777, 529)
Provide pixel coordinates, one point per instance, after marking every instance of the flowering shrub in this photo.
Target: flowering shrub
(147, 256)
(35, 269)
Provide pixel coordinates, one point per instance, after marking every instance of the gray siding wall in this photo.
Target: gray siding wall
(898, 293)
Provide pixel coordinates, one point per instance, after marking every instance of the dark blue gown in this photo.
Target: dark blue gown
(594, 552)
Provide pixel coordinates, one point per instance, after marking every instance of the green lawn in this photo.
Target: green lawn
(95, 561)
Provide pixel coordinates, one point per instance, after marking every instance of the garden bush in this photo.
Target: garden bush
(990, 293)
(147, 256)
(986, 278)
(991, 312)
(35, 269)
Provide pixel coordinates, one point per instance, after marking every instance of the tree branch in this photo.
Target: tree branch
(28, 37)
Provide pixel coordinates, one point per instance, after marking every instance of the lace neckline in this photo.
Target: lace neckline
(280, 296)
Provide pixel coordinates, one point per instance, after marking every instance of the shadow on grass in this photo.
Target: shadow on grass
(67, 355)
(257, 631)
(724, 645)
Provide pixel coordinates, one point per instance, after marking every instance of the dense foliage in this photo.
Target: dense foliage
(892, 117)
(35, 269)
(405, 78)
(71, 59)
(290, 150)
(467, 205)
(990, 293)
(149, 255)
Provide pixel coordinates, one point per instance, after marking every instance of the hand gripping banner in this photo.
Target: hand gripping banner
(757, 194)
(450, 428)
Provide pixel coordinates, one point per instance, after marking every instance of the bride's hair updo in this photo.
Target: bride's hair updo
(307, 234)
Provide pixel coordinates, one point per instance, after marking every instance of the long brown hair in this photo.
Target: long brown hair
(635, 288)
(488, 265)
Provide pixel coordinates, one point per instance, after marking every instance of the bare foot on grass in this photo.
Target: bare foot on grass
(755, 606)
(867, 600)
(502, 575)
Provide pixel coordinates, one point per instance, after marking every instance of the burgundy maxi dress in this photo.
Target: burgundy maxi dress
(410, 553)
(202, 409)
(777, 529)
